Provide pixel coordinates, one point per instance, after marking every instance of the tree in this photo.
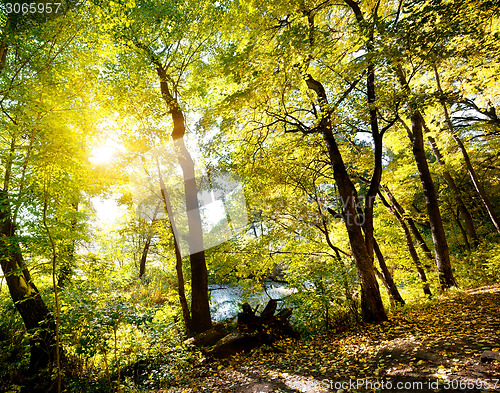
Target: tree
(409, 240)
(443, 262)
(470, 169)
(24, 293)
(43, 127)
(416, 135)
(297, 35)
(168, 39)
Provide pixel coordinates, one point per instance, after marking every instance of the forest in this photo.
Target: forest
(249, 196)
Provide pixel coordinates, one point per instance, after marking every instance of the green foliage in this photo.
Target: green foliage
(480, 267)
(115, 335)
(493, 263)
(70, 82)
(325, 296)
(14, 346)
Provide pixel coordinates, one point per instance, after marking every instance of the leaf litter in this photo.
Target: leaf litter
(436, 343)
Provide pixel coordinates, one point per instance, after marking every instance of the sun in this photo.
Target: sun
(104, 153)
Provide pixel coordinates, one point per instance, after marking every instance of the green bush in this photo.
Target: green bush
(325, 296)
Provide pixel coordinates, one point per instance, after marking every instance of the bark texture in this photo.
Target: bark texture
(35, 314)
(200, 309)
(446, 278)
(372, 309)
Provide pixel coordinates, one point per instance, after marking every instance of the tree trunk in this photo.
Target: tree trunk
(381, 277)
(386, 274)
(411, 224)
(67, 259)
(35, 314)
(479, 188)
(144, 256)
(182, 292)
(456, 217)
(469, 224)
(145, 250)
(200, 309)
(443, 262)
(372, 308)
(409, 242)
(178, 258)
(470, 169)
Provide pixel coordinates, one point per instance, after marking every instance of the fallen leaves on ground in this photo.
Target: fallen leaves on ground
(433, 347)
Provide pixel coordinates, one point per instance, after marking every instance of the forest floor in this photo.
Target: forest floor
(428, 348)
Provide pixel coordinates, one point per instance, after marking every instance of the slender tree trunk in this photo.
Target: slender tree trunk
(67, 256)
(388, 280)
(178, 258)
(147, 244)
(55, 288)
(409, 242)
(470, 169)
(477, 184)
(200, 308)
(372, 308)
(443, 262)
(181, 288)
(35, 314)
(469, 223)
(456, 217)
(144, 256)
(411, 224)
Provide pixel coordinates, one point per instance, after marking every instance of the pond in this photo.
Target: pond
(226, 299)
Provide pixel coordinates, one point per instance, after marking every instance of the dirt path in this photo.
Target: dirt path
(434, 348)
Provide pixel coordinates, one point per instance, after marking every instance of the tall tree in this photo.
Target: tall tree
(169, 38)
(468, 164)
(279, 96)
(443, 262)
(44, 123)
(17, 59)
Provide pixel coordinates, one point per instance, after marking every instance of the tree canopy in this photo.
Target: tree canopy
(347, 152)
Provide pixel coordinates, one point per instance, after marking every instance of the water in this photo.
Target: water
(226, 300)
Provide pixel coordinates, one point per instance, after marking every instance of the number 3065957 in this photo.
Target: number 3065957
(32, 8)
